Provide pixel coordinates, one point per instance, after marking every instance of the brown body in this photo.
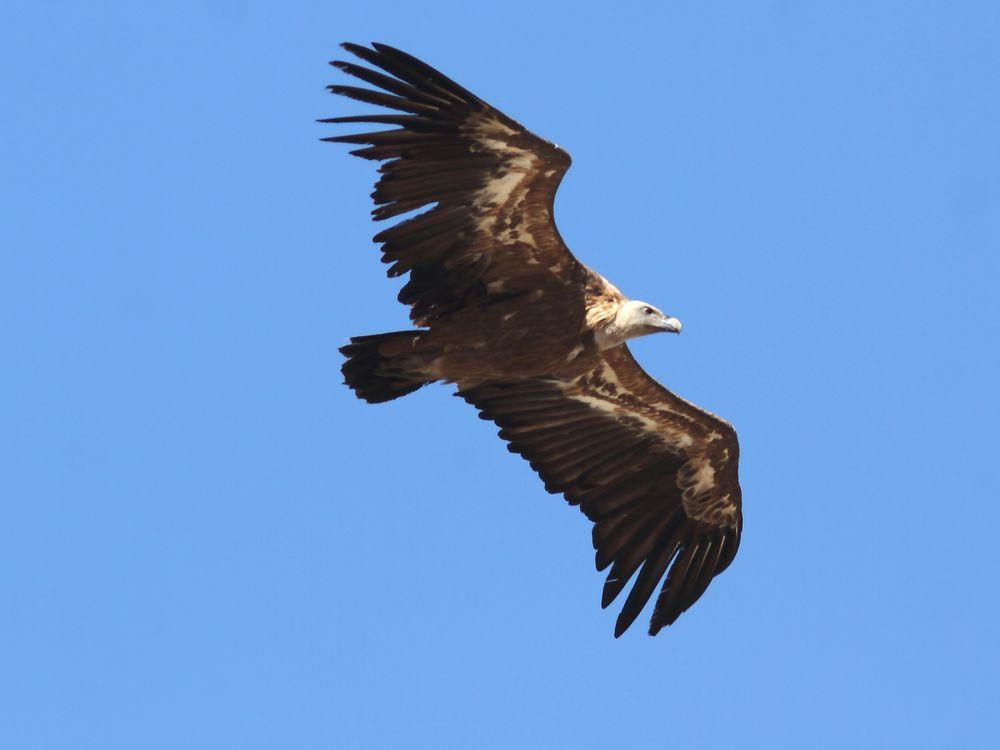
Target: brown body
(547, 332)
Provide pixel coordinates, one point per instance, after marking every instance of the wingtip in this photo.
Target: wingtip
(601, 562)
(607, 597)
(358, 50)
(394, 52)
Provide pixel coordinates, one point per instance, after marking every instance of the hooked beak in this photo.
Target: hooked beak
(671, 325)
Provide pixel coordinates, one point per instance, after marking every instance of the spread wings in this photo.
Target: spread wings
(656, 475)
(491, 182)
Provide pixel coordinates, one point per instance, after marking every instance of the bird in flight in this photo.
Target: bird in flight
(533, 338)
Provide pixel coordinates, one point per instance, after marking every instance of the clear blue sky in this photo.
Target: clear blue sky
(207, 542)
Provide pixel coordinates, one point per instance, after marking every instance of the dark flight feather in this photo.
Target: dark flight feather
(634, 490)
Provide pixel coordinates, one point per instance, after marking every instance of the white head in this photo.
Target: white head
(632, 319)
(637, 318)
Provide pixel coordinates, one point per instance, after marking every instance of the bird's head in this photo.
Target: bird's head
(637, 318)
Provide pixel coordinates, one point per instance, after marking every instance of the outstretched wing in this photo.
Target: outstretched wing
(656, 475)
(491, 182)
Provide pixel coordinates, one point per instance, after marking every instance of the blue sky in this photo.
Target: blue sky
(208, 542)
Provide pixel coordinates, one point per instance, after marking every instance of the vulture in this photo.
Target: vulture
(533, 338)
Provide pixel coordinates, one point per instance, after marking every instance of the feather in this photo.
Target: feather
(391, 85)
(652, 570)
(381, 100)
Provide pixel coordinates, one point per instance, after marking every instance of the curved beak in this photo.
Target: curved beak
(671, 325)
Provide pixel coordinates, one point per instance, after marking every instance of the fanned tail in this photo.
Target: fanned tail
(383, 367)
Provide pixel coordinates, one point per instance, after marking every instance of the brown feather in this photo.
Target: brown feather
(511, 317)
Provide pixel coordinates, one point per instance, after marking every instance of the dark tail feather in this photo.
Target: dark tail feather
(381, 367)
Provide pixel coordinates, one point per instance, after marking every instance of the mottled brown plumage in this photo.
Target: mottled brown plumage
(533, 338)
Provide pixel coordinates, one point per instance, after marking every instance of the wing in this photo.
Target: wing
(491, 182)
(656, 475)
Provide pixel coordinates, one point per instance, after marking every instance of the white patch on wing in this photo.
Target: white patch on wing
(697, 480)
(703, 478)
(498, 194)
(610, 389)
(668, 437)
(676, 438)
(491, 126)
(596, 403)
(681, 439)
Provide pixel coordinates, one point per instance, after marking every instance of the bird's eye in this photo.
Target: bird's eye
(648, 310)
